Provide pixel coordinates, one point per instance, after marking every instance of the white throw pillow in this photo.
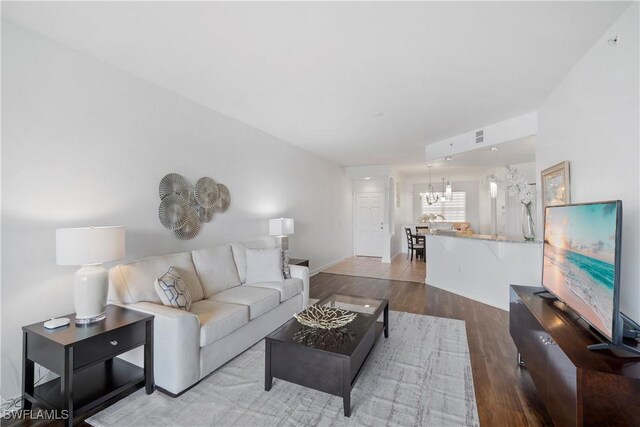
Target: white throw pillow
(172, 290)
(264, 265)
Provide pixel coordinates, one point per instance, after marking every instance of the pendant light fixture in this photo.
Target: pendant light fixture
(430, 196)
(447, 191)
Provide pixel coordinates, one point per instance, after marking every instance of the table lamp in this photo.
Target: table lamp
(281, 228)
(89, 247)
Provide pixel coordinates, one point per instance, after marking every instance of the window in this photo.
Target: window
(452, 210)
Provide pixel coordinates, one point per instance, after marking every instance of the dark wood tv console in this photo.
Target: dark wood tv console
(577, 386)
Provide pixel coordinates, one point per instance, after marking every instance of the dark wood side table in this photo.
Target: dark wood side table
(85, 359)
(299, 261)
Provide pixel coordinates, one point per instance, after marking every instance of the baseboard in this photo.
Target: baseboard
(324, 267)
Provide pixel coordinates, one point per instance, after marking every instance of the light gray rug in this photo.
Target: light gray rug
(420, 375)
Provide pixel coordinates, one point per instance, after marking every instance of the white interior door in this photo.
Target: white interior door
(369, 224)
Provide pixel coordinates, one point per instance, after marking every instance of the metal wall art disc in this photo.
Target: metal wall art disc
(206, 192)
(191, 228)
(174, 183)
(224, 200)
(184, 207)
(204, 214)
(173, 212)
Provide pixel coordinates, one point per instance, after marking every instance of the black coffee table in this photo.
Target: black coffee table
(329, 361)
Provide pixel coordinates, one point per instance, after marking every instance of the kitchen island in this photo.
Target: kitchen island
(482, 267)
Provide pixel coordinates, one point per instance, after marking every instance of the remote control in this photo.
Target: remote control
(56, 323)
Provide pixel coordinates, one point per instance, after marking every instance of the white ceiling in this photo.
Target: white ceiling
(315, 74)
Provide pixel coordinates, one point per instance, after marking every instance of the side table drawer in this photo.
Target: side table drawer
(108, 344)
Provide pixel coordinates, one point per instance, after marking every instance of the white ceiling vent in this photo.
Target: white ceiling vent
(479, 136)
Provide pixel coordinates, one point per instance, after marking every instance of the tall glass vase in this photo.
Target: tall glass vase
(528, 227)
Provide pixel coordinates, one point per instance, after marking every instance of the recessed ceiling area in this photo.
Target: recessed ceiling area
(474, 164)
(357, 82)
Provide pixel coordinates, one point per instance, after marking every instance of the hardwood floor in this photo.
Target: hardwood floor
(505, 394)
(400, 268)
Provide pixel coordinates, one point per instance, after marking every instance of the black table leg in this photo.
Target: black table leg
(346, 388)
(386, 321)
(66, 384)
(268, 379)
(27, 375)
(149, 381)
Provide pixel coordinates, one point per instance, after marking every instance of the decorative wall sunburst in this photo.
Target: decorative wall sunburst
(183, 208)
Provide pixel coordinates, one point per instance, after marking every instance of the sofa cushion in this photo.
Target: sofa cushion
(259, 300)
(240, 254)
(134, 282)
(264, 265)
(218, 319)
(216, 269)
(288, 288)
(172, 290)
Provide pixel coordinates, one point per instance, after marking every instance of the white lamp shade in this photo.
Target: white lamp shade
(89, 245)
(280, 226)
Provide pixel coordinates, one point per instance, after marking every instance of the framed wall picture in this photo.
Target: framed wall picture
(556, 187)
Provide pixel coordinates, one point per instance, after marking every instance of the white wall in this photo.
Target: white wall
(592, 120)
(402, 214)
(86, 144)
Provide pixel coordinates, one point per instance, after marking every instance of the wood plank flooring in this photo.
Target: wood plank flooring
(505, 394)
(400, 268)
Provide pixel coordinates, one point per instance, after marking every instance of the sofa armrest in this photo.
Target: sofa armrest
(301, 272)
(176, 346)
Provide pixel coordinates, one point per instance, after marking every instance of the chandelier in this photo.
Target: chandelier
(430, 196)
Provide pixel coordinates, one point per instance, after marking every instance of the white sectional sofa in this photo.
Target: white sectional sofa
(226, 317)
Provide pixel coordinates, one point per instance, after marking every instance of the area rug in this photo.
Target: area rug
(420, 375)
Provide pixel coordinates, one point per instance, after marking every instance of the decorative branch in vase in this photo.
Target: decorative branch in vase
(520, 188)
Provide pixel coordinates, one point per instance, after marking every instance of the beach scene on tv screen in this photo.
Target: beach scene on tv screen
(579, 256)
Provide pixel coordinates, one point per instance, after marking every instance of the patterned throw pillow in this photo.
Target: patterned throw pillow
(286, 271)
(172, 290)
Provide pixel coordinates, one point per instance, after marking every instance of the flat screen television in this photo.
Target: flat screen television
(581, 264)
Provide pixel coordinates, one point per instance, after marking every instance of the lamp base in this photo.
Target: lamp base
(91, 286)
(90, 320)
(283, 242)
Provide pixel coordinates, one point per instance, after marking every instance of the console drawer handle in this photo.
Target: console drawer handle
(113, 342)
